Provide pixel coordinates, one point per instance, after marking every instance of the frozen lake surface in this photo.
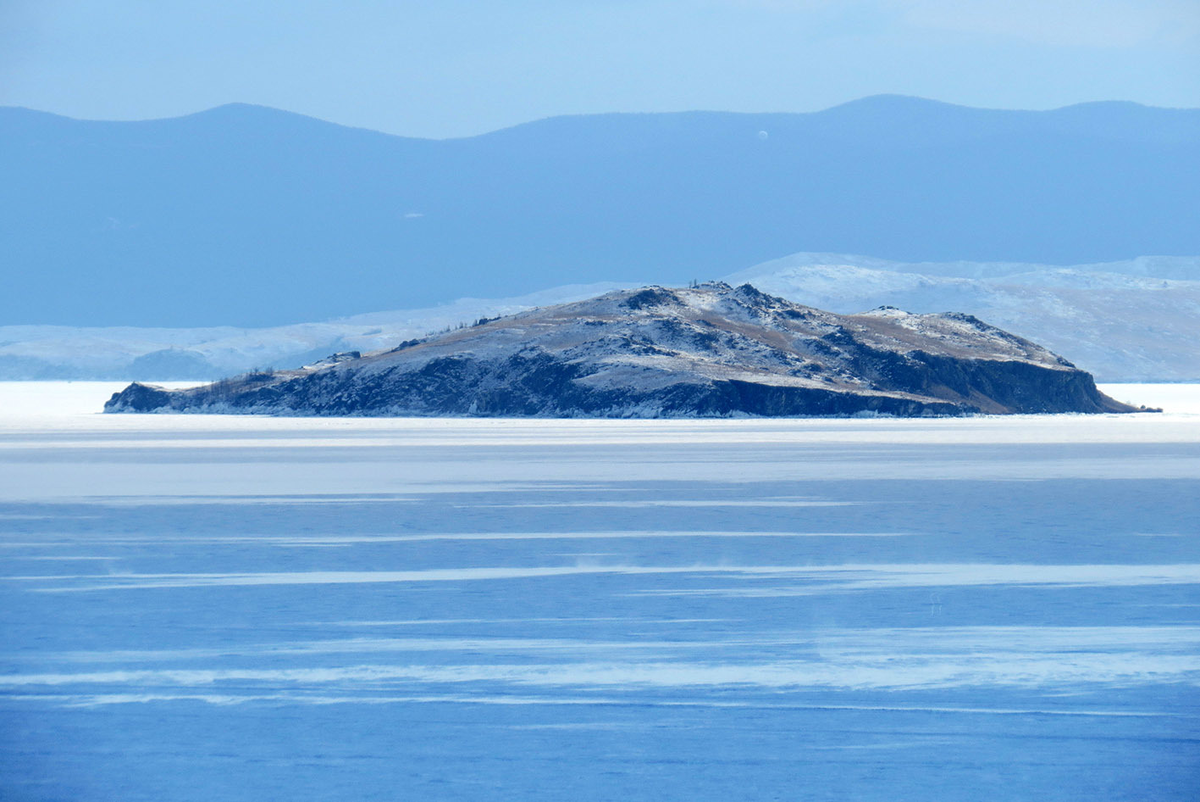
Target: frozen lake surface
(235, 608)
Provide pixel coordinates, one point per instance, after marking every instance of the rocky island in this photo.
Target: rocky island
(706, 351)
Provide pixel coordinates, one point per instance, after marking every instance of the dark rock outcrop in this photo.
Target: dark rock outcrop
(706, 351)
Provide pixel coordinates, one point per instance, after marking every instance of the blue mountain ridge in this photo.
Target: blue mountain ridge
(250, 216)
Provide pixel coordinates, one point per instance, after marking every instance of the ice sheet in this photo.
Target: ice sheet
(240, 608)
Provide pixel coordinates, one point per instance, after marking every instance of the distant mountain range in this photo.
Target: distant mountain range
(707, 351)
(1123, 321)
(250, 217)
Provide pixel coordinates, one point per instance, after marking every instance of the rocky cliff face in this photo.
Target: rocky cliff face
(712, 350)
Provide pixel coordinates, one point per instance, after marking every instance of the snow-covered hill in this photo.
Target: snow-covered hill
(712, 350)
(64, 352)
(1136, 320)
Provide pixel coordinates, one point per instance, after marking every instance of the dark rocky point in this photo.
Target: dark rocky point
(707, 351)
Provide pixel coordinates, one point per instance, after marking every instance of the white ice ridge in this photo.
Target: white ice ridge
(827, 642)
(894, 659)
(322, 541)
(821, 578)
(86, 700)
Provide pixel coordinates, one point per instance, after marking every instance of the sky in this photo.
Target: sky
(449, 68)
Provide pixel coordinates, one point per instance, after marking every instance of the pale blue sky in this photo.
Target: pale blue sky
(453, 67)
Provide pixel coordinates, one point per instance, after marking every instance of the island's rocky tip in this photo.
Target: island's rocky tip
(709, 350)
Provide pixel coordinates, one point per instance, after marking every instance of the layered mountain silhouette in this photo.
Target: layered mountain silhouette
(248, 216)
